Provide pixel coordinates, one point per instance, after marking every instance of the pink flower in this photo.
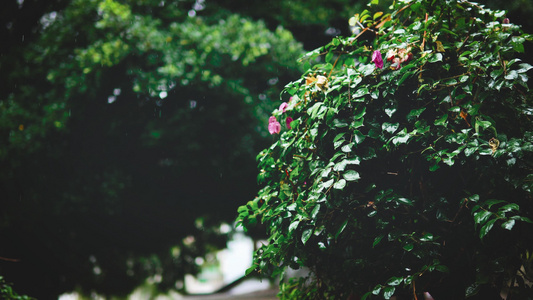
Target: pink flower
(283, 107)
(405, 55)
(391, 54)
(377, 59)
(288, 122)
(273, 125)
(396, 63)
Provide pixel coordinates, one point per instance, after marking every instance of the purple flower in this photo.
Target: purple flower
(377, 60)
(273, 125)
(288, 122)
(283, 107)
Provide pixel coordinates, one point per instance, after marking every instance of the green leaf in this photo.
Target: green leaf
(374, 94)
(353, 160)
(250, 270)
(351, 175)
(508, 224)
(435, 58)
(408, 247)
(441, 121)
(415, 113)
(483, 124)
(329, 56)
(360, 92)
(325, 172)
(509, 207)
(347, 148)
(366, 295)
(306, 234)
(312, 111)
(357, 123)
(486, 228)
(390, 127)
(470, 151)
(315, 211)
(339, 185)
(442, 268)
(404, 201)
(337, 144)
(390, 111)
(338, 136)
(474, 198)
(395, 281)
(405, 76)
(427, 237)
(341, 228)
(434, 167)
(524, 68)
(340, 166)
(328, 183)
(377, 239)
(388, 292)
(482, 216)
(358, 137)
(338, 123)
(293, 225)
(490, 203)
(485, 151)
(360, 113)
(376, 290)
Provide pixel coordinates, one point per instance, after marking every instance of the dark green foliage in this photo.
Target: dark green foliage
(7, 293)
(408, 179)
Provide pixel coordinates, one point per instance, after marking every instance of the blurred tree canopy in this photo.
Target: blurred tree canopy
(127, 126)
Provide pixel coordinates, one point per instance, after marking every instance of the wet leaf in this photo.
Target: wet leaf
(339, 185)
(351, 175)
(306, 234)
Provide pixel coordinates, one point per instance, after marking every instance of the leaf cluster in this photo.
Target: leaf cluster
(408, 179)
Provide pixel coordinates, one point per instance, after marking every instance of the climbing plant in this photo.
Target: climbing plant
(401, 163)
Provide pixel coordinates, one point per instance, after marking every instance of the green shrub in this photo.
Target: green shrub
(7, 292)
(409, 176)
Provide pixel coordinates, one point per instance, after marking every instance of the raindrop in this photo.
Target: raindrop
(273, 81)
(179, 284)
(199, 5)
(48, 19)
(225, 228)
(199, 261)
(332, 31)
(158, 278)
(97, 270)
